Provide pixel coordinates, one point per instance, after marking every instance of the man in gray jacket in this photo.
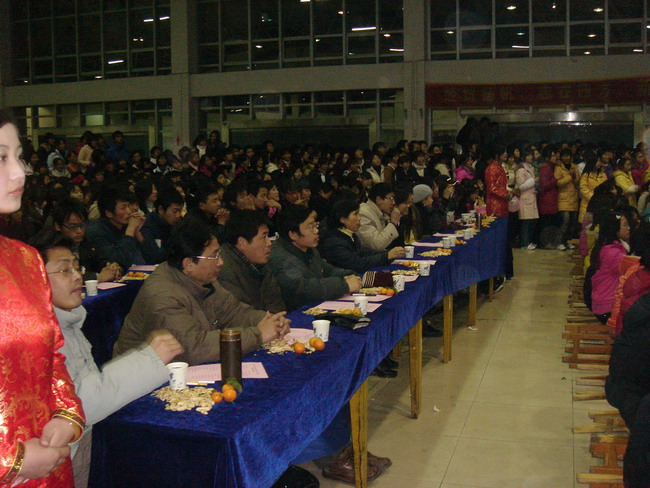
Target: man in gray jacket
(245, 254)
(379, 218)
(121, 380)
(184, 297)
(303, 275)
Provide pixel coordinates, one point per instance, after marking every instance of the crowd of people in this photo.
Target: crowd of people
(244, 235)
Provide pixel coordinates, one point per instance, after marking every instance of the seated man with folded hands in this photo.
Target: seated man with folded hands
(184, 297)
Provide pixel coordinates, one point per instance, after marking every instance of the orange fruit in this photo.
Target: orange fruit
(226, 387)
(318, 344)
(356, 311)
(299, 348)
(229, 395)
(216, 397)
(390, 292)
(312, 340)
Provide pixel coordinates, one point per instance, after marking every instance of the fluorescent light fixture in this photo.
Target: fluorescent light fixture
(25, 81)
(97, 77)
(164, 17)
(340, 12)
(386, 35)
(450, 32)
(511, 7)
(115, 61)
(587, 52)
(258, 46)
(591, 35)
(599, 10)
(357, 29)
(554, 5)
(520, 47)
(317, 40)
(305, 1)
(147, 20)
(637, 50)
(397, 49)
(521, 33)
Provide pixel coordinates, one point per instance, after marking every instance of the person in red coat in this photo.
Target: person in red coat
(39, 411)
(496, 184)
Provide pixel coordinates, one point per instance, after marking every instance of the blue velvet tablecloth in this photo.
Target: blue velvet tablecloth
(250, 442)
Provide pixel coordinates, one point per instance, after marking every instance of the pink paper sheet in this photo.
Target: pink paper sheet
(211, 373)
(146, 268)
(332, 305)
(443, 235)
(400, 261)
(300, 335)
(428, 244)
(107, 285)
(407, 279)
(375, 298)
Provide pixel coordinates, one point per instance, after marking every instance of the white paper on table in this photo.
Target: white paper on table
(444, 235)
(143, 267)
(211, 373)
(371, 298)
(430, 261)
(407, 279)
(427, 244)
(107, 285)
(300, 335)
(332, 305)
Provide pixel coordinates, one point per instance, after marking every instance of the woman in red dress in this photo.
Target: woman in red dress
(39, 411)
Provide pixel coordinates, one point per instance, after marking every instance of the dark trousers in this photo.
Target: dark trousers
(527, 230)
(568, 225)
(636, 464)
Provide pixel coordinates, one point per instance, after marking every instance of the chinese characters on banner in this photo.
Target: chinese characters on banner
(610, 91)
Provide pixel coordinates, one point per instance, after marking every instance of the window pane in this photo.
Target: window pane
(475, 12)
(545, 11)
(361, 46)
(235, 100)
(65, 36)
(295, 18)
(443, 40)
(91, 63)
(443, 14)
(20, 39)
(296, 49)
(587, 34)
(234, 20)
(391, 15)
(66, 66)
(509, 37)
(328, 47)
(141, 32)
(41, 38)
(235, 53)
(591, 10)
(262, 100)
(625, 9)
(90, 24)
(21, 71)
(264, 15)
(142, 60)
(362, 95)
(114, 31)
(511, 11)
(361, 13)
(329, 110)
(476, 39)
(297, 98)
(549, 36)
(265, 51)
(114, 4)
(328, 97)
(208, 22)
(394, 42)
(625, 33)
(64, 7)
(163, 27)
(328, 17)
(208, 55)
(40, 9)
(116, 107)
(42, 68)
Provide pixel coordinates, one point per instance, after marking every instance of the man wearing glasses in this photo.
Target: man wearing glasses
(379, 218)
(184, 297)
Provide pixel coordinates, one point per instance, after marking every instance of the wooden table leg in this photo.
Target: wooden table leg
(359, 420)
(397, 351)
(448, 320)
(415, 367)
(473, 295)
(491, 289)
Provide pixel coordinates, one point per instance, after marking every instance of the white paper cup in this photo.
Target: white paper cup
(91, 288)
(177, 375)
(410, 251)
(467, 234)
(398, 282)
(452, 241)
(321, 329)
(446, 242)
(361, 302)
(425, 268)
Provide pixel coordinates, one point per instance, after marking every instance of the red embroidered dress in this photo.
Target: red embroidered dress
(34, 383)
(496, 189)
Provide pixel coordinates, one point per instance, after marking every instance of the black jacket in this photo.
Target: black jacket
(341, 251)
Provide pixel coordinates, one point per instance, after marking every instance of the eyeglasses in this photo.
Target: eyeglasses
(313, 226)
(72, 227)
(210, 258)
(70, 271)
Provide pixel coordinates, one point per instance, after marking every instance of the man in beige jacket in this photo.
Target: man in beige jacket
(183, 296)
(379, 218)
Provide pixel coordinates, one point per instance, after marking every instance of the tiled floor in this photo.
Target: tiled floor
(504, 403)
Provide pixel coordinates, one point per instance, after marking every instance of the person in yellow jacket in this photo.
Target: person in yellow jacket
(625, 181)
(592, 176)
(566, 174)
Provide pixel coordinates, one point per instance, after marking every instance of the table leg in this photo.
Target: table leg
(415, 367)
(473, 295)
(397, 351)
(359, 420)
(491, 289)
(448, 320)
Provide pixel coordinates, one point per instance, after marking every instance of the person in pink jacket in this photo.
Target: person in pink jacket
(465, 168)
(608, 252)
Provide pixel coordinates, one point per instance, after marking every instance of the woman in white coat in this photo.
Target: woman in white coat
(528, 215)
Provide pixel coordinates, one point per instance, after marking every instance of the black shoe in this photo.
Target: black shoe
(390, 363)
(295, 477)
(384, 371)
(428, 331)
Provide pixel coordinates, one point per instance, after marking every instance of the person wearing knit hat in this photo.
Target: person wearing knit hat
(421, 193)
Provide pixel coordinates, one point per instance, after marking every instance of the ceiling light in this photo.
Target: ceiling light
(147, 20)
(258, 46)
(386, 35)
(591, 35)
(520, 47)
(369, 28)
(587, 52)
(511, 7)
(554, 5)
(340, 12)
(397, 49)
(521, 33)
(637, 50)
(115, 61)
(305, 1)
(599, 10)
(450, 32)
(97, 77)
(317, 40)
(164, 17)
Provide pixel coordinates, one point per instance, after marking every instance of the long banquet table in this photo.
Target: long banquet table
(250, 442)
